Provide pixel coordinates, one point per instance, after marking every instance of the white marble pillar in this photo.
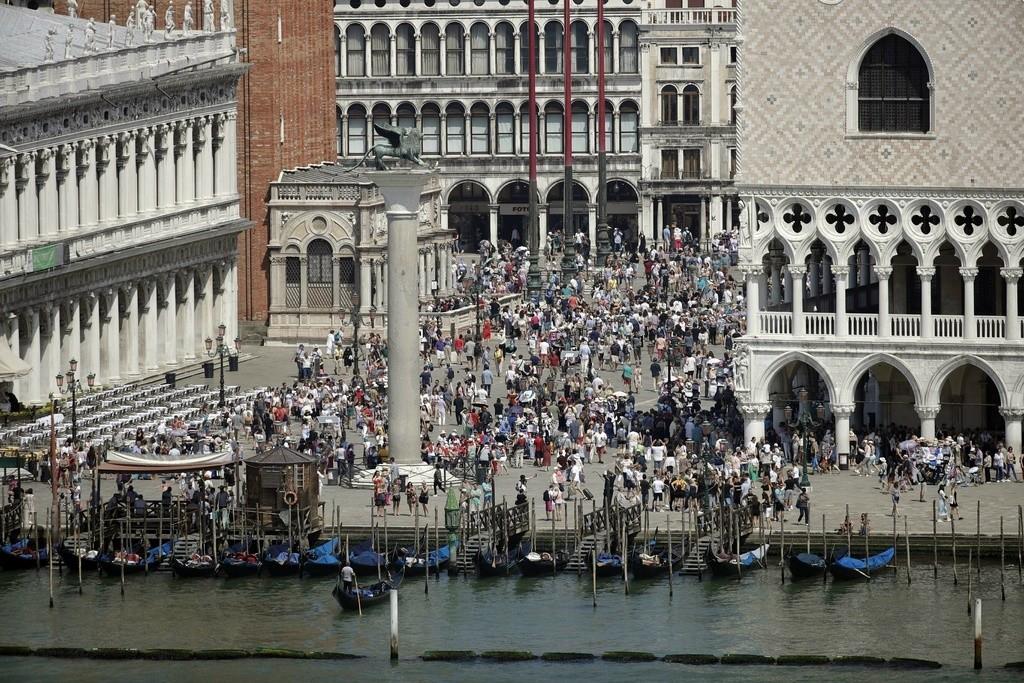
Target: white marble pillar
(365, 293)
(927, 415)
(1012, 418)
(13, 333)
(50, 339)
(46, 179)
(796, 281)
(89, 187)
(163, 150)
(815, 277)
(842, 414)
(775, 294)
(703, 219)
(130, 330)
(71, 329)
(229, 155)
(752, 275)
(146, 160)
(187, 311)
(231, 300)
(753, 420)
(1012, 277)
(106, 160)
(32, 384)
(150, 328)
(883, 274)
(716, 215)
(658, 223)
(8, 204)
(28, 199)
(204, 158)
(592, 228)
(927, 328)
(401, 190)
(492, 223)
(127, 176)
(207, 326)
(91, 351)
(841, 323)
(67, 188)
(542, 225)
(185, 163)
(168, 320)
(970, 327)
(111, 338)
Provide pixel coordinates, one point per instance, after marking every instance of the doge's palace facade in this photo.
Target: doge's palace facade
(118, 196)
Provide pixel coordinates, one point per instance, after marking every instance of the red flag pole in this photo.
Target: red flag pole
(533, 277)
(603, 245)
(568, 230)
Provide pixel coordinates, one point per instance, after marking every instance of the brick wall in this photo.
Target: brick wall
(293, 78)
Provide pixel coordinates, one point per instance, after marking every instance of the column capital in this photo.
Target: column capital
(797, 269)
(1012, 413)
(754, 410)
(750, 269)
(925, 273)
(1011, 275)
(968, 273)
(883, 272)
(927, 412)
(843, 410)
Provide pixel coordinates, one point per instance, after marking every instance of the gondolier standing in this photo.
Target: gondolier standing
(348, 578)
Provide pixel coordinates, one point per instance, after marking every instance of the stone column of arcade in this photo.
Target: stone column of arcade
(401, 190)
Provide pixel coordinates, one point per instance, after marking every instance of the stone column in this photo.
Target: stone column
(927, 415)
(46, 180)
(841, 326)
(883, 273)
(207, 326)
(517, 67)
(716, 215)
(401, 190)
(703, 218)
(163, 150)
(383, 294)
(715, 52)
(418, 55)
(393, 61)
(111, 339)
(187, 326)
(365, 293)
(89, 189)
(842, 414)
(541, 49)
(443, 57)
(1012, 277)
(150, 326)
(592, 228)
(204, 158)
(127, 176)
(815, 277)
(796, 279)
(277, 284)
(33, 382)
(50, 351)
(28, 202)
(185, 181)
(926, 275)
(91, 350)
(231, 300)
(71, 348)
(106, 161)
(657, 221)
(752, 275)
(67, 188)
(1012, 418)
(493, 223)
(8, 204)
(826, 275)
(303, 280)
(228, 158)
(12, 330)
(970, 327)
(542, 225)
(130, 330)
(775, 290)
(753, 420)
(147, 170)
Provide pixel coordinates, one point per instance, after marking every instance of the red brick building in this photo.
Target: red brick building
(286, 112)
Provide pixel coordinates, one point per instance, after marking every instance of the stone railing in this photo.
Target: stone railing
(948, 326)
(690, 16)
(990, 326)
(773, 322)
(820, 324)
(905, 325)
(900, 326)
(862, 324)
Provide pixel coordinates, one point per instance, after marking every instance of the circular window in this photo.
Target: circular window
(797, 218)
(763, 216)
(355, 4)
(318, 225)
(925, 220)
(1010, 221)
(839, 220)
(882, 221)
(968, 220)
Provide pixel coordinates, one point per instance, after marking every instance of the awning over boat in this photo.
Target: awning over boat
(127, 462)
(11, 366)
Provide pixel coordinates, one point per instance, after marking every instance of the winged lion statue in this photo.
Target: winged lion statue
(402, 143)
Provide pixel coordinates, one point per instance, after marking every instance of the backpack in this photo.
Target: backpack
(547, 496)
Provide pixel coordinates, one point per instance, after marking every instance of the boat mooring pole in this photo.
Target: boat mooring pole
(394, 623)
(782, 550)
(977, 633)
(78, 551)
(49, 553)
(935, 542)
(668, 525)
(906, 538)
(1002, 560)
(824, 549)
(437, 546)
(978, 537)
(952, 526)
(593, 554)
(970, 563)
(426, 556)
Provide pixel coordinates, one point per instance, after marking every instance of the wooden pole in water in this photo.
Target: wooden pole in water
(867, 548)
(35, 527)
(554, 543)
(426, 556)
(824, 548)
(593, 555)
(1020, 542)
(124, 559)
(978, 537)
(668, 525)
(437, 546)
(808, 535)
(977, 633)
(895, 545)
(782, 551)
(625, 554)
(394, 624)
(1002, 560)
(906, 538)
(416, 525)
(78, 551)
(970, 563)
(735, 528)
(849, 532)
(49, 553)
(387, 546)
(935, 542)
(952, 523)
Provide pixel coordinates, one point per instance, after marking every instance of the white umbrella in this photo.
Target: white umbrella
(527, 396)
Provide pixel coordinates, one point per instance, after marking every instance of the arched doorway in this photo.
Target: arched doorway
(801, 400)
(623, 202)
(468, 207)
(969, 403)
(580, 199)
(514, 212)
(884, 400)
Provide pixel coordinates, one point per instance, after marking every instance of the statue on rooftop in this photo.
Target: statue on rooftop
(49, 45)
(111, 25)
(208, 25)
(73, 9)
(169, 20)
(90, 36)
(402, 143)
(69, 39)
(129, 37)
(186, 20)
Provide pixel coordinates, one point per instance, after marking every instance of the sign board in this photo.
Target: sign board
(47, 257)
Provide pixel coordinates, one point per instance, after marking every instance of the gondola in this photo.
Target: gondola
(23, 555)
(649, 566)
(726, 564)
(366, 561)
(239, 561)
(322, 560)
(278, 561)
(197, 566)
(132, 562)
(416, 565)
(490, 564)
(70, 558)
(540, 564)
(608, 565)
(844, 567)
(806, 565)
(373, 594)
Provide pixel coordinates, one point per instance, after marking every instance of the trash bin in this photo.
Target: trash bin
(233, 363)
(170, 378)
(208, 369)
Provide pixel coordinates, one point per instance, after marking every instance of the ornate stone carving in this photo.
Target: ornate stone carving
(923, 412)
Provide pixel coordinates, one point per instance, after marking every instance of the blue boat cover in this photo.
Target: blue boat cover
(811, 559)
(153, 554)
(325, 553)
(608, 558)
(279, 553)
(874, 563)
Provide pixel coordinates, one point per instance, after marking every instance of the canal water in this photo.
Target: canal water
(755, 615)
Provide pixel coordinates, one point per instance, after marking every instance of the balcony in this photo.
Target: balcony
(946, 328)
(689, 17)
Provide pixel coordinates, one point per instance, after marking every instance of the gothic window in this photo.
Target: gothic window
(580, 128)
(356, 130)
(480, 129)
(455, 50)
(506, 124)
(405, 50)
(504, 49)
(883, 219)
(691, 106)
(455, 129)
(669, 105)
(839, 218)
(431, 122)
(968, 220)
(380, 50)
(355, 46)
(893, 92)
(1011, 221)
(925, 219)
(430, 49)
(553, 47)
(580, 48)
(797, 217)
(629, 124)
(553, 128)
(381, 117)
(480, 50)
(629, 48)
(319, 276)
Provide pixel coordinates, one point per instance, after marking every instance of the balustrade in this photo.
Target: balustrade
(820, 324)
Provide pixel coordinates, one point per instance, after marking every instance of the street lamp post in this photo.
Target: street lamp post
(221, 351)
(803, 425)
(72, 386)
(355, 340)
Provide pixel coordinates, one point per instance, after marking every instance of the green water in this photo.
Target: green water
(757, 615)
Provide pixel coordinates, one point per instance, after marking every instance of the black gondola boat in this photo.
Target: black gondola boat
(806, 565)
(323, 560)
(278, 561)
(727, 565)
(848, 568)
(195, 567)
(608, 565)
(490, 563)
(373, 594)
(416, 565)
(650, 566)
(540, 564)
(90, 560)
(22, 555)
(238, 564)
(111, 565)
